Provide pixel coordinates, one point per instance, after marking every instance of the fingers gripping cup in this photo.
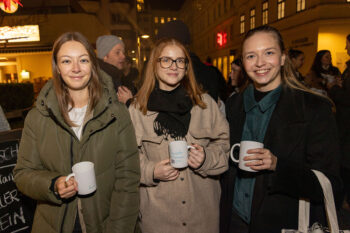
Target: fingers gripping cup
(84, 174)
(244, 147)
(178, 151)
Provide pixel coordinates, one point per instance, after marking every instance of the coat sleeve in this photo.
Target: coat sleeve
(295, 178)
(124, 207)
(341, 95)
(146, 166)
(217, 151)
(30, 175)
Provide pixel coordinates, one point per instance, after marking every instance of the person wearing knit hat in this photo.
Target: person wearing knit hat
(111, 58)
(111, 49)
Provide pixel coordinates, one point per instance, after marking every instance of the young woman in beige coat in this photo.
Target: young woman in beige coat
(170, 106)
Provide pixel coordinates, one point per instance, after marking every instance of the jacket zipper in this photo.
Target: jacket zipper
(71, 163)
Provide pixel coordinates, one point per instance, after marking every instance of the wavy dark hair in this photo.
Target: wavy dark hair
(60, 87)
(317, 64)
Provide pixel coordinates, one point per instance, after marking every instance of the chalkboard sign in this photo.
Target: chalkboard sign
(16, 210)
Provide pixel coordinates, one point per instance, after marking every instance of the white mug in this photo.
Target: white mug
(84, 174)
(178, 151)
(244, 146)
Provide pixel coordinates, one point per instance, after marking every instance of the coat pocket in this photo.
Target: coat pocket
(154, 147)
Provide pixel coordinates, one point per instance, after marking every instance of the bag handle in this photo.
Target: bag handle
(304, 206)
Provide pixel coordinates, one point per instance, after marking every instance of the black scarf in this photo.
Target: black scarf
(174, 111)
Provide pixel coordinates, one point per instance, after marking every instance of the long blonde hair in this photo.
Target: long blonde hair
(150, 76)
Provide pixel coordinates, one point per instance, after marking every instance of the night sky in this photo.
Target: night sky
(166, 4)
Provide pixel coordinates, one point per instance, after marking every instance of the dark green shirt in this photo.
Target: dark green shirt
(258, 116)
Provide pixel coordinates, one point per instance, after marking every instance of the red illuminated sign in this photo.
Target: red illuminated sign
(221, 38)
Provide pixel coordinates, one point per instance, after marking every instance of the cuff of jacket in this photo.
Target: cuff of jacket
(52, 187)
(147, 175)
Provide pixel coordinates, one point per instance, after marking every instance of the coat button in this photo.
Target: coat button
(183, 202)
(183, 224)
(182, 179)
(42, 103)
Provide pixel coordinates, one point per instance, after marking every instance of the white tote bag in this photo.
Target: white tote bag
(304, 211)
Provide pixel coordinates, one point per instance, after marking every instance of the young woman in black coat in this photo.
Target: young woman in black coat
(298, 130)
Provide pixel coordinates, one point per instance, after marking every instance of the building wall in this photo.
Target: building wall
(29, 55)
(323, 24)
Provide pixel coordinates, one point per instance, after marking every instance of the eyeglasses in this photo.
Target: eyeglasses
(166, 62)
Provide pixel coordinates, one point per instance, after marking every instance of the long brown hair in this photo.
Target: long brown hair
(150, 76)
(60, 87)
(288, 74)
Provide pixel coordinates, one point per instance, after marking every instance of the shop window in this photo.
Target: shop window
(220, 64)
(225, 67)
(156, 20)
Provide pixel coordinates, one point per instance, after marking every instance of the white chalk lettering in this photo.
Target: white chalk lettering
(5, 179)
(8, 198)
(12, 219)
(8, 153)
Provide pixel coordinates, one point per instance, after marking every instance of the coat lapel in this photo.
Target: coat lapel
(281, 136)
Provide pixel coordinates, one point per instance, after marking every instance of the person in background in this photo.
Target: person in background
(237, 77)
(131, 75)
(4, 125)
(297, 58)
(111, 59)
(298, 130)
(210, 80)
(170, 106)
(78, 118)
(340, 94)
(322, 72)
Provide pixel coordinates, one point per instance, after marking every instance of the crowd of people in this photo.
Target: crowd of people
(94, 110)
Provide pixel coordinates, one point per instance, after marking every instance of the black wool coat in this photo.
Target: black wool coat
(302, 135)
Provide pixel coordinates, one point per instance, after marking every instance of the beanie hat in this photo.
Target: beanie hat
(104, 44)
(175, 29)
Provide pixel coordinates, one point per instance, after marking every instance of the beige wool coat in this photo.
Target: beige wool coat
(189, 204)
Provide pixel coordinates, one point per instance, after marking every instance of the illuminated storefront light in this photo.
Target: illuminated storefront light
(19, 33)
(221, 38)
(25, 74)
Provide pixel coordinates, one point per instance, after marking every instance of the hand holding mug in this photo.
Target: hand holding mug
(196, 156)
(66, 189)
(260, 159)
(164, 171)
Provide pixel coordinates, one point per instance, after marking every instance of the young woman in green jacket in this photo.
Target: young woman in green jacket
(77, 118)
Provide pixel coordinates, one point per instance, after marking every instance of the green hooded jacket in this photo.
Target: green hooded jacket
(49, 148)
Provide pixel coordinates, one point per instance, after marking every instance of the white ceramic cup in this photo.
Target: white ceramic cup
(244, 146)
(84, 174)
(178, 151)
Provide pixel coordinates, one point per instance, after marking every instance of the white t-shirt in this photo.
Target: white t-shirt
(77, 115)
